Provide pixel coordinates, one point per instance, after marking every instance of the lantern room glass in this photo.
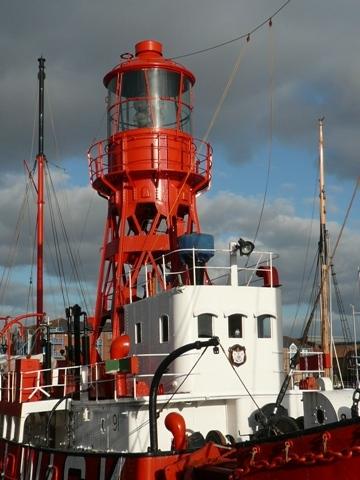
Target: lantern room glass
(149, 98)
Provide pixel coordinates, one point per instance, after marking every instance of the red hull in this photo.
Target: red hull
(29, 463)
(324, 453)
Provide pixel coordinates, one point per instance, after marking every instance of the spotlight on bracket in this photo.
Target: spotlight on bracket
(244, 246)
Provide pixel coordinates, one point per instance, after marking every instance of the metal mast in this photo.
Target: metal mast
(40, 160)
(323, 250)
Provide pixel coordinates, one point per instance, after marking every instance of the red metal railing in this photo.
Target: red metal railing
(154, 152)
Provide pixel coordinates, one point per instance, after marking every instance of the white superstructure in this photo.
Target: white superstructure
(234, 305)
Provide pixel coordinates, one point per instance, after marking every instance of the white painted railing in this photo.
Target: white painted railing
(219, 270)
(89, 379)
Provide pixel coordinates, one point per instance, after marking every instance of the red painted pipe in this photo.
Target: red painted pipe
(176, 424)
(270, 276)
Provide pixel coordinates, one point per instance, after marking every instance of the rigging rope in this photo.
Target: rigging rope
(236, 39)
(36, 100)
(30, 298)
(225, 93)
(73, 262)
(48, 100)
(82, 288)
(302, 283)
(345, 220)
(333, 346)
(146, 422)
(211, 124)
(6, 274)
(343, 318)
(184, 380)
(242, 383)
(271, 119)
(80, 242)
(59, 262)
(213, 119)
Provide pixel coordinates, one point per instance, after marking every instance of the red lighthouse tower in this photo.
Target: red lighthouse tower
(149, 170)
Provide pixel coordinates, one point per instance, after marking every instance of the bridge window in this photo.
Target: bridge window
(205, 325)
(235, 325)
(164, 328)
(138, 332)
(264, 326)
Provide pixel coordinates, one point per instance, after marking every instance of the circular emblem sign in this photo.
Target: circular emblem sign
(237, 355)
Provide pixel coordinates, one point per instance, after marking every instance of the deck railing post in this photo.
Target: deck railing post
(164, 271)
(96, 382)
(146, 281)
(130, 286)
(194, 266)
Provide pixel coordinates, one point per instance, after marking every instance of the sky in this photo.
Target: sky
(304, 67)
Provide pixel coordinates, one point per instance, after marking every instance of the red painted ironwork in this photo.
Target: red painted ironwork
(150, 170)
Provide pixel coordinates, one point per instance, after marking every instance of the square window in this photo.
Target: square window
(138, 333)
(205, 328)
(264, 326)
(235, 328)
(164, 328)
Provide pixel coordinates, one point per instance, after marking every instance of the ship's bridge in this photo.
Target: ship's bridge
(233, 297)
